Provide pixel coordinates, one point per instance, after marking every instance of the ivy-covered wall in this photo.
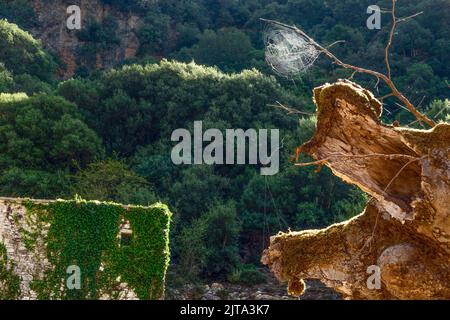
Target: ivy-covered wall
(81, 249)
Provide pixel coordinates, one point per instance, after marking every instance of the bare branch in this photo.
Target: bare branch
(420, 103)
(353, 156)
(335, 43)
(441, 111)
(389, 43)
(377, 74)
(377, 83)
(289, 110)
(409, 17)
(385, 97)
(400, 171)
(404, 108)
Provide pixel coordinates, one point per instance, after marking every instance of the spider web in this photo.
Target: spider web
(287, 52)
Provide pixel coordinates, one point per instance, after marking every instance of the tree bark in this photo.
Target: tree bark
(405, 229)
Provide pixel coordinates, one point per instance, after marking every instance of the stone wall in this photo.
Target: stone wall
(29, 261)
(12, 215)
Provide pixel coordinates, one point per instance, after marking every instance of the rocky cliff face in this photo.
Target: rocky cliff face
(58, 39)
(404, 232)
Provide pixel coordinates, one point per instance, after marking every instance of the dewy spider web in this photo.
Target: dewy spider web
(287, 52)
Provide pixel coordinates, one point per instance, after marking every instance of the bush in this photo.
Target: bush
(21, 53)
(112, 180)
(18, 11)
(209, 246)
(248, 275)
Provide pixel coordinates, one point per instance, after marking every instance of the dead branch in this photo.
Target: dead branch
(409, 17)
(401, 228)
(335, 43)
(290, 110)
(386, 96)
(395, 21)
(386, 78)
(353, 156)
(389, 43)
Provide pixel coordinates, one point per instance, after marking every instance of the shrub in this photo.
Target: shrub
(247, 275)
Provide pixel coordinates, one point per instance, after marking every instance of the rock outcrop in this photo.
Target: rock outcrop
(403, 235)
(58, 39)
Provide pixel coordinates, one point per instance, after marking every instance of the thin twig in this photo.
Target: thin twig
(377, 83)
(389, 43)
(379, 75)
(335, 43)
(290, 110)
(442, 110)
(400, 171)
(404, 108)
(369, 240)
(386, 96)
(409, 17)
(421, 101)
(342, 155)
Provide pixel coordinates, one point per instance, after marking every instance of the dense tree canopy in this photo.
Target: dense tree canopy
(42, 139)
(106, 135)
(22, 54)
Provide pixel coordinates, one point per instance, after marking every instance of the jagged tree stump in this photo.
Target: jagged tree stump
(405, 228)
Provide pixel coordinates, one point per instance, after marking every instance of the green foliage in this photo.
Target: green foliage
(129, 5)
(9, 282)
(196, 189)
(6, 79)
(154, 35)
(156, 166)
(42, 139)
(44, 132)
(439, 110)
(30, 85)
(295, 198)
(12, 97)
(101, 34)
(18, 11)
(190, 244)
(221, 238)
(112, 180)
(228, 48)
(98, 37)
(248, 275)
(209, 245)
(159, 98)
(22, 54)
(226, 34)
(50, 148)
(23, 182)
(84, 234)
(135, 109)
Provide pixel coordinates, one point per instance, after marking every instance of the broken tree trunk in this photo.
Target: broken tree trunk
(404, 232)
